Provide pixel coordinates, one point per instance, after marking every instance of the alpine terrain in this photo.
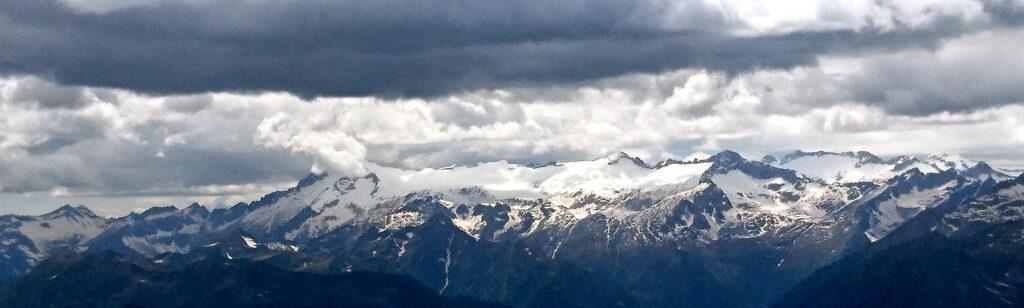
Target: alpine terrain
(797, 230)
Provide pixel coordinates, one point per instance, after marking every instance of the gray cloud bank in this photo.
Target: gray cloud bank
(436, 47)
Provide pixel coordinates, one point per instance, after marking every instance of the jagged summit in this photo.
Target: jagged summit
(604, 176)
(196, 208)
(946, 161)
(311, 178)
(159, 210)
(696, 157)
(861, 156)
(728, 161)
(982, 171)
(726, 157)
(26, 240)
(615, 158)
(71, 211)
(860, 166)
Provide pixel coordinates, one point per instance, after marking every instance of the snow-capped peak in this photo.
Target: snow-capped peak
(697, 156)
(726, 157)
(945, 161)
(67, 227)
(983, 171)
(196, 208)
(70, 211)
(846, 167)
(623, 157)
(618, 199)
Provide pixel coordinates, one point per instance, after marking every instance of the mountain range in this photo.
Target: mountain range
(803, 229)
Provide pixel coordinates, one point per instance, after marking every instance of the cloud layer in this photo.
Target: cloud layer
(116, 140)
(438, 47)
(131, 103)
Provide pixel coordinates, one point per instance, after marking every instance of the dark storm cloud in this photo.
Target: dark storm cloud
(78, 160)
(171, 143)
(66, 130)
(967, 74)
(1007, 12)
(391, 48)
(188, 103)
(36, 92)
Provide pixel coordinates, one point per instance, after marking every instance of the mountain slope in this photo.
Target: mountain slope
(967, 255)
(715, 230)
(26, 240)
(111, 280)
(983, 270)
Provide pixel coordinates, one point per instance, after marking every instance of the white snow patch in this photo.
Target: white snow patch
(471, 224)
(891, 213)
(838, 168)
(741, 188)
(282, 247)
(147, 246)
(249, 242)
(946, 161)
(401, 220)
(47, 232)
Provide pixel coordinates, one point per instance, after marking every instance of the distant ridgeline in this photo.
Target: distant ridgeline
(808, 229)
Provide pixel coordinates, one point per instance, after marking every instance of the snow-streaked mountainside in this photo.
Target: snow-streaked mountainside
(25, 240)
(863, 166)
(679, 231)
(964, 254)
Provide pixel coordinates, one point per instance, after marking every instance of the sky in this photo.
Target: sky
(123, 105)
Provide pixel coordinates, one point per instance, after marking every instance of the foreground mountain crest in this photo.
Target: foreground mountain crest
(695, 231)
